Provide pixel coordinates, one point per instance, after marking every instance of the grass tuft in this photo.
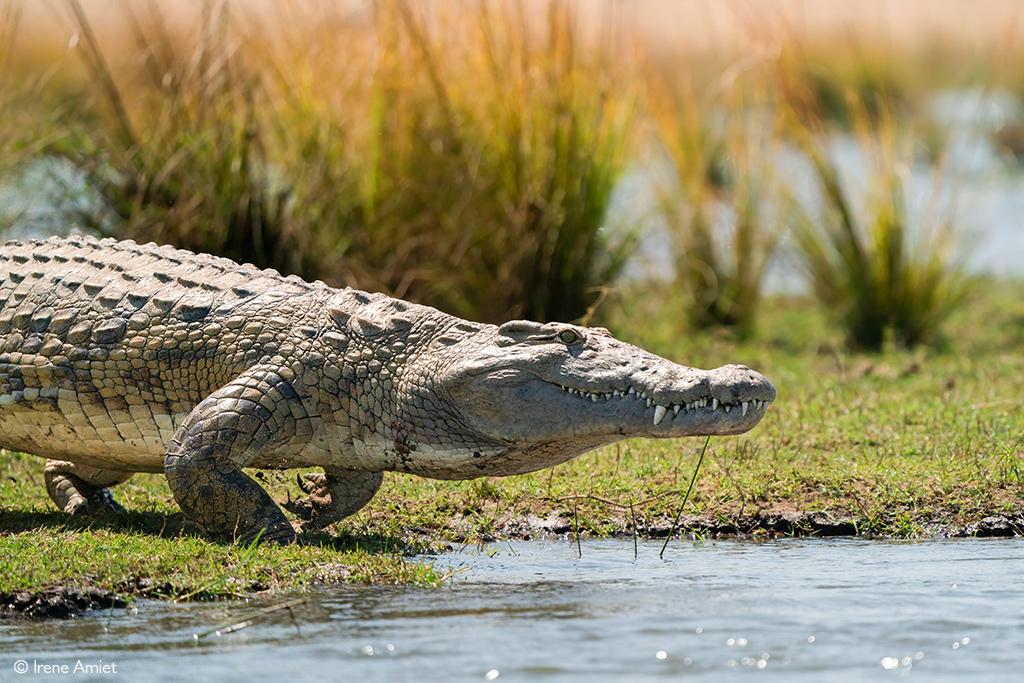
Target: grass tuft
(722, 200)
(883, 270)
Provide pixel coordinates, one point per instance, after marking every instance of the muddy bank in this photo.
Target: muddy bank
(771, 524)
(60, 602)
(64, 602)
(68, 602)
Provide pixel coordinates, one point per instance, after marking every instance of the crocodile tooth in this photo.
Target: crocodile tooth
(659, 414)
(630, 391)
(648, 402)
(745, 405)
(728, 407)
(714, 404)
(616, 393)
(593, 397)
(676, 408)
(643, 394)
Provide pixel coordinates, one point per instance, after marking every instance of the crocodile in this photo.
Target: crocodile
(117, 358)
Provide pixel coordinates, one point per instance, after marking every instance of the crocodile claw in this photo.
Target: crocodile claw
(313, 483)
(318, 497)
(332, 497)
(94, 504)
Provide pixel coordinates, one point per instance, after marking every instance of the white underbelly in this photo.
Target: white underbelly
(132, 440)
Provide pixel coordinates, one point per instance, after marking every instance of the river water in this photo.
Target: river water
(785, 610)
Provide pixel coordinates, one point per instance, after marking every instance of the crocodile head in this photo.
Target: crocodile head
(553, 391)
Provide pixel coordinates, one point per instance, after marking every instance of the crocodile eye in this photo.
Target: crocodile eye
(569, 336)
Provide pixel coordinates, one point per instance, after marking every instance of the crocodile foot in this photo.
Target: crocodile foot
(82, 499)
(318, 497)
(333, 496)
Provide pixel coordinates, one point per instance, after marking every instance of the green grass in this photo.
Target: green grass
(466, 161)
(901, 443)
(147, 551)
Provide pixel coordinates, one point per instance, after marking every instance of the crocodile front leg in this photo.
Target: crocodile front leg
(223, 434)
(82, 490)
(333, 496)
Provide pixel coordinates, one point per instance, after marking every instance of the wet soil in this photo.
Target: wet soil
(59, 602)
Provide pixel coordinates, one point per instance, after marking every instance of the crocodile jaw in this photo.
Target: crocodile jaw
(597, 391)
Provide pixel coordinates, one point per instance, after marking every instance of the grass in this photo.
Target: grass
(722, 201)
(466, 160)
(463, 159)
(884, 271)
(147, 552)
(902, 443)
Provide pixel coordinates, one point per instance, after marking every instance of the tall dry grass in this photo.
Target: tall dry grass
(463, 154)
(463, 158)
(9, 20)
(178, 145)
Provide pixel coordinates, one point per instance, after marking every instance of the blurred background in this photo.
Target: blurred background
(658, 164)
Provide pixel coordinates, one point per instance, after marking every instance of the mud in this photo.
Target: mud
(60, 602)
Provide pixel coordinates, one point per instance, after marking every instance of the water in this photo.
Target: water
(787, 610)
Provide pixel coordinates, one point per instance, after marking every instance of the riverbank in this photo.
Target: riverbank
(903, 443)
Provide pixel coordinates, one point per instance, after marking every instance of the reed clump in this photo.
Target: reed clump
(884, 271)
(463, 160)
(722, 197)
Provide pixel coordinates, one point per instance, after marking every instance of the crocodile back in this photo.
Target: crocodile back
(105, 346)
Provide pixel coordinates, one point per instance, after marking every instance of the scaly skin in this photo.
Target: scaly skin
(118, 358)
